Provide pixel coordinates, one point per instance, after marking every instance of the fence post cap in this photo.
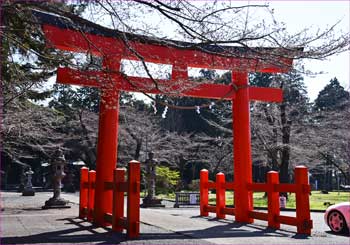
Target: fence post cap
(272, 172)
(204, 170)
(92, 171)
(134, 162)
(220, 173)
(122, 168)
(300, 167)
(83, 168)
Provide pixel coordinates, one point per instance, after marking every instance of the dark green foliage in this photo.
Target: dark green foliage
(27, 62)
(66, 99)
(333, 96)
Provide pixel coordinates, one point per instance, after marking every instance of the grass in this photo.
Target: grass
(317, 199)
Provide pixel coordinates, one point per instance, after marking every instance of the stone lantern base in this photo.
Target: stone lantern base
(28, 192)
(56, 203)
(152, 203)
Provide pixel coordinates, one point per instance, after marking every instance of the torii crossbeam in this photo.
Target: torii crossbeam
(113, 46)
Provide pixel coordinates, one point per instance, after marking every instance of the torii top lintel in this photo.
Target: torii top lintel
(64, 34)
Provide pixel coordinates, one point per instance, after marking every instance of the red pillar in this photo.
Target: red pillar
(203, 188)
(273, 200)
(133, 211)
(242, 148)
(302, 200)
(220, 196)
(118, 199)
(106, 146)
(91, 198)
(84, 191)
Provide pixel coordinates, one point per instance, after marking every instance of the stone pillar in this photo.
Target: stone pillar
(28, 186)
(58, 174)
(150, 200)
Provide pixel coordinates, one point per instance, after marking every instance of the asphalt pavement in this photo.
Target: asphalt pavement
(23, 221)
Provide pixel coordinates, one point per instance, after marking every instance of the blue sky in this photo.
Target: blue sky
(318, 14)
(298, 15)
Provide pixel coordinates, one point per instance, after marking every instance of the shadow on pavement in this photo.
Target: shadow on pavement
(345, 234)
(85, 232)
(237, 229)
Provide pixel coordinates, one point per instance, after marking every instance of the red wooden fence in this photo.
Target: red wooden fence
(131, 223)
(301, 188)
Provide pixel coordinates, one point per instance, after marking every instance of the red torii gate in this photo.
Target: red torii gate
(112, 46)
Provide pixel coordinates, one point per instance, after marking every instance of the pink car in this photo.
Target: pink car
(337, 217)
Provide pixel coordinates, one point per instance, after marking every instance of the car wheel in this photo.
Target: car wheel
(336, 222)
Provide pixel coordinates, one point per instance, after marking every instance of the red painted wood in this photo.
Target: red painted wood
(84, 191)
(91, 195)
(230, 185)
(266, 94)
(211, 185)
(258, 215)
(273, 207)
(204, 196)
(111, 82)
(229, 211)
(67, 75)
(210, 209)
(259, 187)
(220, 195)
(287, 220)
(242, 149)
(118, 199)
(76, 41)
(107, 145)
(286, 188)
(136, 84)
(133, 212)
(302, 201)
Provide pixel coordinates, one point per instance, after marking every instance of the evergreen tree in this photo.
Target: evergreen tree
(31, 133)
(273, 125)
(27, 61)
(333, 96)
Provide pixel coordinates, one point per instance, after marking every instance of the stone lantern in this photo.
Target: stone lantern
(28, 186)
(58, 173)
(150, 200)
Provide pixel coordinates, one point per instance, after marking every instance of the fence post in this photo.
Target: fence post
(302, 200)
(220, 195)
(91, 195)
(133, 205)
(84, 192)
(118, 199)
(273, 200)
(204, 197)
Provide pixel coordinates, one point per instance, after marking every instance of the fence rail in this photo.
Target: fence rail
(301, 188)
(131, 223)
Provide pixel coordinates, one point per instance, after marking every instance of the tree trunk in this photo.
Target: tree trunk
(272, 153)
(91, 154)
(138, 149)
(285, 151)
